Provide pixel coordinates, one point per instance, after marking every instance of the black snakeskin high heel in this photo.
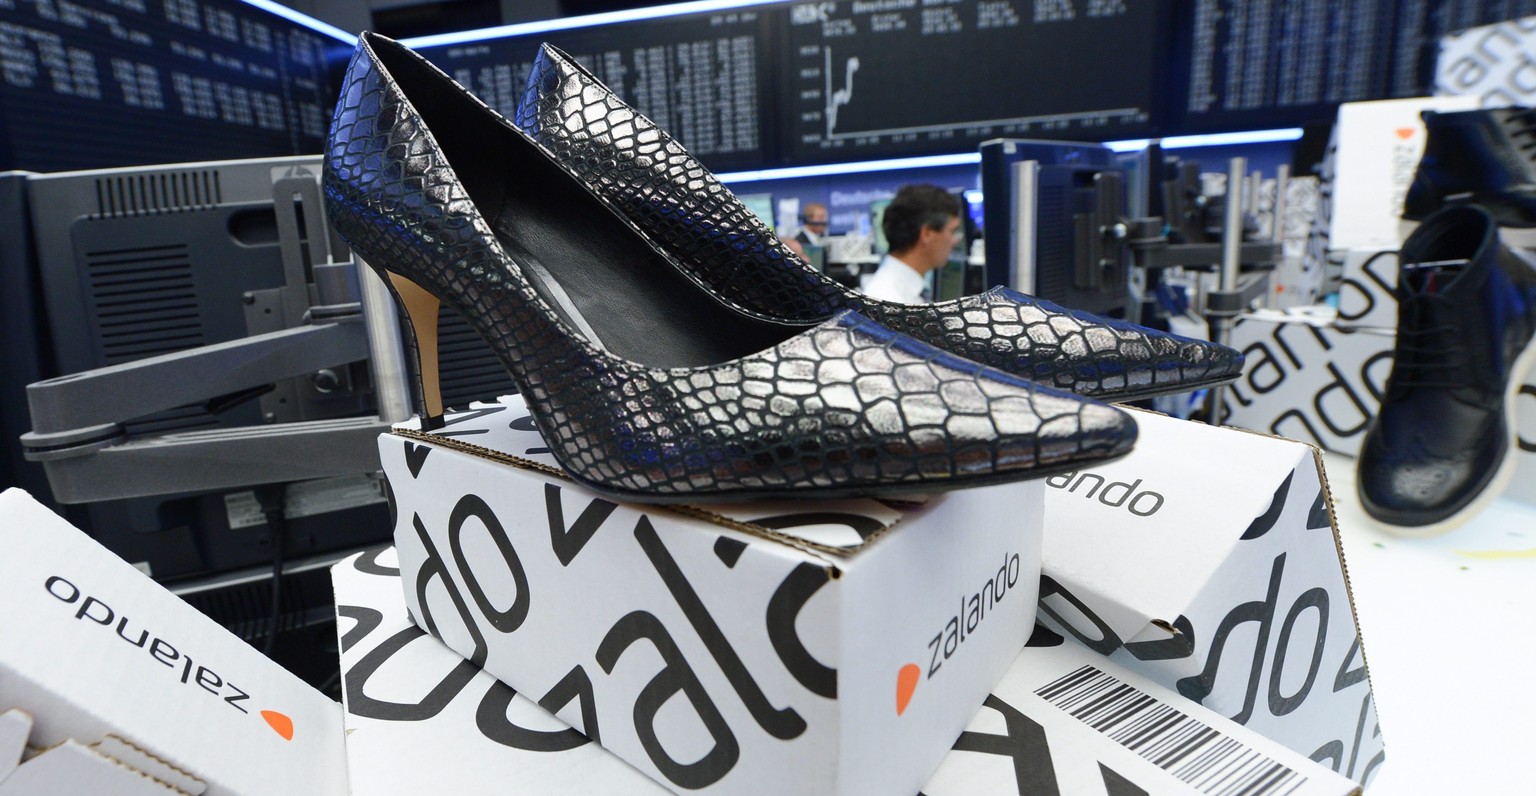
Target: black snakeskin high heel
(644, 386)
(651, 179)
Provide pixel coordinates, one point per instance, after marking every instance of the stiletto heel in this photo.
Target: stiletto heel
(421, 310)
(644, 174)
(644, 386)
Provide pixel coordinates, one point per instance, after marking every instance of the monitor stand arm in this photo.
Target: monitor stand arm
(77, 431)
(78, 438)
(1243, 266)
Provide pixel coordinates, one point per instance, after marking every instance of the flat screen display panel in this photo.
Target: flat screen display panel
(704, 78)
(108, 83)
(888, 78)
(1254, 64)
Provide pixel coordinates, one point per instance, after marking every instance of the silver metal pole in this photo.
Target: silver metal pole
(1254, 188)
(391, 377)
(1231, 262)
(1232, 234)
(1282, 179)
(1026, 196)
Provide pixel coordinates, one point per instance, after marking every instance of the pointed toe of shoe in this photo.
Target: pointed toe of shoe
(1080, 432)
(934, 420)
(1082, 353)
(1194, 362)
(1026, 431)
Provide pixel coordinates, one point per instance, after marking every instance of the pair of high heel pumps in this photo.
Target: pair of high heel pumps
(669, 347)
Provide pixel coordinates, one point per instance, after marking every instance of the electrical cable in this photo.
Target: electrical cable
(271, 498)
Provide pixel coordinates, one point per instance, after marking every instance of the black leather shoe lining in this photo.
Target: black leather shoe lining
(581, 258)
(1448, 243)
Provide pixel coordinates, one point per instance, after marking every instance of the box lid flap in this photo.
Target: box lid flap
(504, 432)
(1172, 511)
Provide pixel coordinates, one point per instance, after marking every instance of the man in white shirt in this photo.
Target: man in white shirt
(920, 225)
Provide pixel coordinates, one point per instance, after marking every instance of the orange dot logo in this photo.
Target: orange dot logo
(906, 683)
(1405, 133)
(280, 724)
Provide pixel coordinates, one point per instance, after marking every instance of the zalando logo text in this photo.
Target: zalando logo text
(947, 642)
(94, 610)
(1115, 494)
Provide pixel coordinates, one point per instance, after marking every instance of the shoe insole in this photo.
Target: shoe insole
(608, 282)
(595, 271)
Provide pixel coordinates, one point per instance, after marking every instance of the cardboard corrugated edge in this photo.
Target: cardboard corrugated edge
(15, 730)
(80, 713)
(1349, 586)
(819, 551)
(165, 771)
(69, 747)
(1333, 525)
(1338, 543)
(77, 758)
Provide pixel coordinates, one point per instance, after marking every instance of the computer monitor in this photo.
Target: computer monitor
(817, 257)
(975, 208)
(877, 224)
(1046, 204)
(998, 157)
(28, 357)
(761, 205)
(145, 261)
(139, 262)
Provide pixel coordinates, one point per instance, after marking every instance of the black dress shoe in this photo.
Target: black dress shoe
(644, 386)
(1483, 157)
(1439, 449)
(648, 177)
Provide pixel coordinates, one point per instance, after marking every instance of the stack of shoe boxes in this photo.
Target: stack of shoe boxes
(420, 719)
(853, 646)
(1227, 584)
(1311, 373)
(816, 647)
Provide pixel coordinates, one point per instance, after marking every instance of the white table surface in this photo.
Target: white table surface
(1449, 630)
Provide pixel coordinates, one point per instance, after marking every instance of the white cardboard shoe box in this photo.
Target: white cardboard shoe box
(826, 647)
(1370, 163)
(1307, 378)
(1227, 583)
(127, 689)
(421, 719)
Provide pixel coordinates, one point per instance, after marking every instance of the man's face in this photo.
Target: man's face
(816, 220)
(936, 244)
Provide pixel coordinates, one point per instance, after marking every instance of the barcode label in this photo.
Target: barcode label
(1188, 749)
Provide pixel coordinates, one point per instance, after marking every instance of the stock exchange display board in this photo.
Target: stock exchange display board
(1247, 64)
(704, 78)
(100, 83)
(94, 83)
(874, 78)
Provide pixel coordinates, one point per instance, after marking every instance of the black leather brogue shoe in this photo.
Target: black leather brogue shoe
(1439, 449)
